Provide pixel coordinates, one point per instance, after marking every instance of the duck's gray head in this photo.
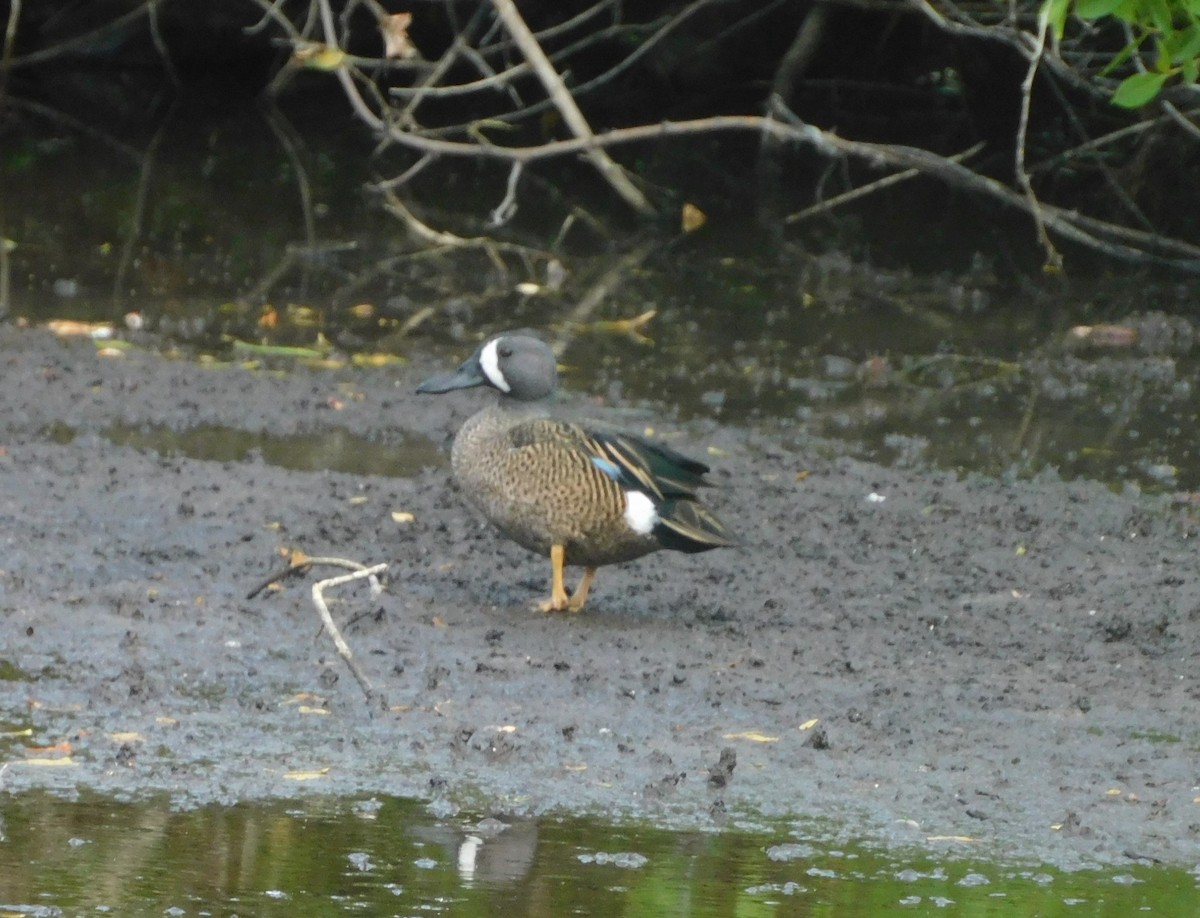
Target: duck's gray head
(519, 366)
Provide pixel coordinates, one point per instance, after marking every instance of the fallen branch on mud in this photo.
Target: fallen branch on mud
(376, 700)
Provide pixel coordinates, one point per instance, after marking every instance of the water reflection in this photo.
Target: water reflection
(333, 450)
(326, 856)
(960, 360)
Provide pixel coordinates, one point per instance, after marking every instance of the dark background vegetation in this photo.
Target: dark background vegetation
(887, 75)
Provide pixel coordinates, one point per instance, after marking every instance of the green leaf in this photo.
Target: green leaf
(1094, 9)
(1137, 90)
(1056, 15)
(1119, 59)
(1129, 11)
(1158, 13)
(274, 350)
(1184, 44)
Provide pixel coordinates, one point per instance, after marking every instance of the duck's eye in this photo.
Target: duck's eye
(505, 350)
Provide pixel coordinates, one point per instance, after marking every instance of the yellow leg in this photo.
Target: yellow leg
(558, 594)
(579, 597)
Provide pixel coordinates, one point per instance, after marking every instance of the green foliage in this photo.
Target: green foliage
(1138, 89)
(1167, 31)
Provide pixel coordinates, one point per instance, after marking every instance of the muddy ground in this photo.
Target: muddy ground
(996, 668)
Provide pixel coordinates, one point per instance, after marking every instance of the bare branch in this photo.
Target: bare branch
(376, 700)
(10, 38)
(613, 174)
(1053, 258)
(149, 160)
(79, 41)
(1182, 119)
(500, 51)
(863, 191)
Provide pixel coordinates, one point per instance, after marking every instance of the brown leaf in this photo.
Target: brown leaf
(1103, 335)
(396, 43)
(58, 749)
(692, 218)
(66, 328)
(295, 557)
(632, 327)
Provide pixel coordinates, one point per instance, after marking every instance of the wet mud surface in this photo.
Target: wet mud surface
(1008, 668)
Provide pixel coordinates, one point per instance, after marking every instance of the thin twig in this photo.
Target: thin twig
(284, 133)
(292, 570)
(1099, 163)
(10, 38)
(428, 234)
(427, 86)
(597, 293)
(87, 39)
(1053, 258)
(375, 698)
(507, 209)
(407, 175)
(130, 153)
(558, 92)
(376, 701)
(139, 207)
(294, 254)
(159, 44)
(863, 191)
(1182, 120)
(655, 33)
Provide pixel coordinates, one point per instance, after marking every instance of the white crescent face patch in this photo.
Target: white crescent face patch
(640, 513)
(489, 361)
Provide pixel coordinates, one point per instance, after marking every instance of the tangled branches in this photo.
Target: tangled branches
(493, 81)
(1009, 102)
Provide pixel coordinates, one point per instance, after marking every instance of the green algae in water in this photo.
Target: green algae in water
(10, 672)
(325, 856)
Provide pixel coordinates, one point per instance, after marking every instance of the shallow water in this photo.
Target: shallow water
(906, 340)
(338, 450)
(325, 856)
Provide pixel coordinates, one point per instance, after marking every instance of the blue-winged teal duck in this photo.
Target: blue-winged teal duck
(582, 495)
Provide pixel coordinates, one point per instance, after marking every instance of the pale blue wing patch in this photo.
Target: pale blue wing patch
(607, 466)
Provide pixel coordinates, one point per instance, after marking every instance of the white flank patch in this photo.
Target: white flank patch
(639, 512)
(489, 360)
